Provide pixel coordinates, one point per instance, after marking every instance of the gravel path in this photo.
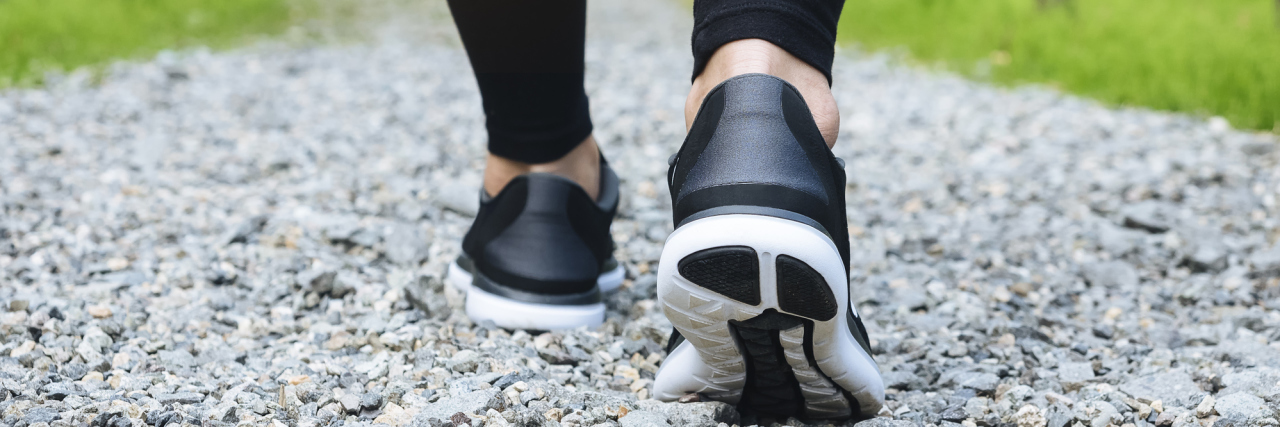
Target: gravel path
(258, 238)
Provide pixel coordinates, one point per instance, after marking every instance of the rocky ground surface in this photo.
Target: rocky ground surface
(240, 239)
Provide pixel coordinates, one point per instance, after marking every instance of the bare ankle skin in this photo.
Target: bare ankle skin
(759, 56)
(582, 165)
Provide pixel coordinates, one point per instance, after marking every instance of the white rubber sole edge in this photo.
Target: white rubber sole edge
(709, 361)
(513, 314)
(609, 281)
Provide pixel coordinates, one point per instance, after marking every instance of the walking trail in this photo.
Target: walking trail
(258, 237)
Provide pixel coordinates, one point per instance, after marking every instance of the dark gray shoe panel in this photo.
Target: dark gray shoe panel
(543, 234)
(610, 190)
(752, 143)
(541, 244)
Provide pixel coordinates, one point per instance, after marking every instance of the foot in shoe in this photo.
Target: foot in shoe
(755, 276)
(539, 253)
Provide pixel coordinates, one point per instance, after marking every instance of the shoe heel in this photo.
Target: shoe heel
(758, 300)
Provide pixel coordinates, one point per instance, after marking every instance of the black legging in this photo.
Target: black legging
(528, 59)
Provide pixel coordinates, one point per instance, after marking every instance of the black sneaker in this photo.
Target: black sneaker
(755, 276)
(539, 254)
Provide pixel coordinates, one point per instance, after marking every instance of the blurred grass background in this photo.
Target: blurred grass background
(1209, 57)
(45, 35)
(40, 36)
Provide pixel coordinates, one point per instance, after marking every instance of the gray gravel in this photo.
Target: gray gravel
(258, 237)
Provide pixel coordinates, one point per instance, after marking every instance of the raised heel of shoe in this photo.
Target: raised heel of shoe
(758, 299)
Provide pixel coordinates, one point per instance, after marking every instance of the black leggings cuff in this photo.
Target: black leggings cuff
(538, 147)
(806, 29)
(534, 117)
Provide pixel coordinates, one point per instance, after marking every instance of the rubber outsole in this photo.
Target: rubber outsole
(728, 270)
(787, 351)
(771, 385)
(802, 290)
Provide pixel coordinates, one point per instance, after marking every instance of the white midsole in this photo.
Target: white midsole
(608, 281)
(509, 313)
(717, 368)
(513, 314)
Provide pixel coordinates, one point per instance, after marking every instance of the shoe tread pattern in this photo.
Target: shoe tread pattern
(802, 291)
(822, 398)
(732, 271)
(764, 364)
(704, 321)
(771, 388)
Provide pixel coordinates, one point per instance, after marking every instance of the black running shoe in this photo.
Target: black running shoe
(755, 276)
(539, 254)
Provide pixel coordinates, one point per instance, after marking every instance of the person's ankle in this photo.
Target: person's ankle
(582, 165)
(759, 56)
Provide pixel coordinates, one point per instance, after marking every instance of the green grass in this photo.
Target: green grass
(44, 35)
(1208, 57)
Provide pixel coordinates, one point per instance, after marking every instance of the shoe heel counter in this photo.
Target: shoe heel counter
(539, 248)
(496, 214)
(753, 130)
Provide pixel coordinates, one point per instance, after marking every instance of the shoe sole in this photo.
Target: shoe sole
(459, 278)
(773, 351)
(515, 314)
